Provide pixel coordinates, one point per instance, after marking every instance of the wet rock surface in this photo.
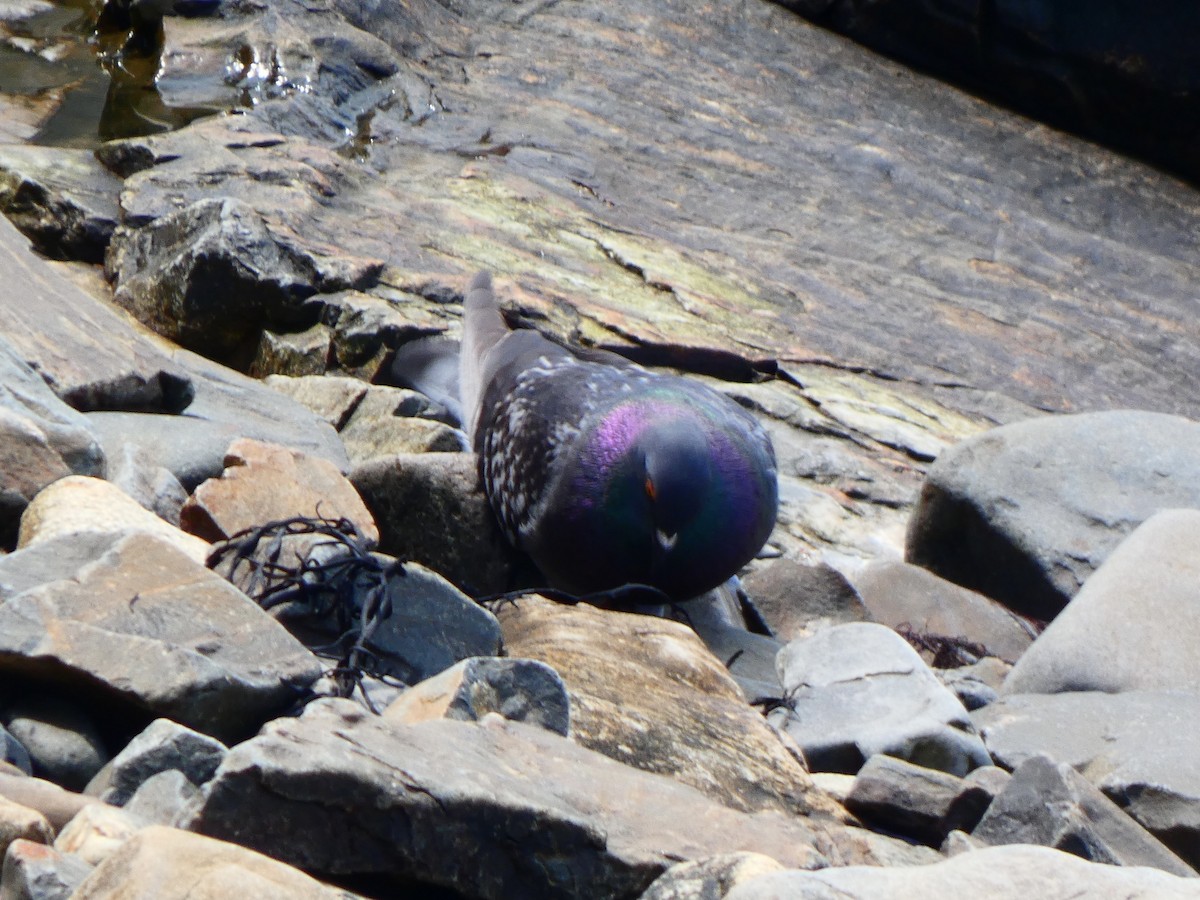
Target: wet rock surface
(877, 267)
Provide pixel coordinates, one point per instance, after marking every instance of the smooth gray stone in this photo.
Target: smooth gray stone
(1139, 748)
(164, 746)
(157, 632)
(432, 626)
(1052, 805)
(12, 751)
(856, 690)
(430, 509)
(132, 470)
(166, 798)
(795, 598)
(63, 741)
(1025, 513)
(903, 798)
(1135, 624)
(50, 560)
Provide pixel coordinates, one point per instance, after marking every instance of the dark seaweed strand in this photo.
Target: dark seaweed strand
(351, 587)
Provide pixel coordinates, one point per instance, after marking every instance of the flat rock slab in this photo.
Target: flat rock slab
(1139, 748)
(997, 873)
(646, 692)
(89, 353)
(1134, 625)
(144, 623)
(1025, 513)
(491, 811)
(852, 691)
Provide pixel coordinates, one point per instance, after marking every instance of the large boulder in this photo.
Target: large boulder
(1135, 624)
(1026, 512)
(496, 809)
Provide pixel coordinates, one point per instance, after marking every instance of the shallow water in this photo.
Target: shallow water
(97, 91)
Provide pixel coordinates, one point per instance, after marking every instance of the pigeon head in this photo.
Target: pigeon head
(662, 492)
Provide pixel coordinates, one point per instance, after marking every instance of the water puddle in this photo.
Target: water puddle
(83, 86)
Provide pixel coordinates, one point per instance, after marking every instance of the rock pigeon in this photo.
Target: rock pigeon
(605, 473)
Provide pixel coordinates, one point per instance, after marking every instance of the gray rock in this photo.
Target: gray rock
(898, 594)
(521, 690)
(148, 626)
(132, 470)
(338, 790)
(797, 599)
(192, 447)
(367, 327)
(163, 746)
(1136, 747)
(978, 684)
(1026, 512)
(165, 799)
(42, 439)
(997, 873)
(63, 741)
(34, 871)
(432, 626)
(856, 690)
(1134, 625)
(1052, 805)
(48, 560)
(429, 508)
(12, 752)
(210, 277)
(903, 798)
(87, 352)
(62, 199)
(974, 796)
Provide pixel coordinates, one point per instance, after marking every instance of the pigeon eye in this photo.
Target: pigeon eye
(649, 487)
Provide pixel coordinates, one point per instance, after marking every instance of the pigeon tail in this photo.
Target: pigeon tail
(430, 365)
(483, 329)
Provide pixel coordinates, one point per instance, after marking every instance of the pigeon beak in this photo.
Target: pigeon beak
(666, 541)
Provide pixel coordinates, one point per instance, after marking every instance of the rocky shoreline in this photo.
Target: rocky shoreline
(241, 632)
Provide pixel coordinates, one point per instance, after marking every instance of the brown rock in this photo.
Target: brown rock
(161, 863)
(57, 805)
(96, 831)
(19, 822)
(709, 879)
(264, 483)
(796, 599)
(901, 595)
(646, 692)
(332, 397)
